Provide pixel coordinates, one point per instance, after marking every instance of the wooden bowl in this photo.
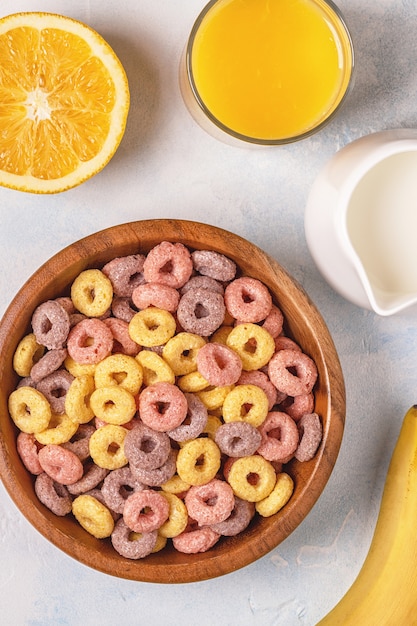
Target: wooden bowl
(303, 323)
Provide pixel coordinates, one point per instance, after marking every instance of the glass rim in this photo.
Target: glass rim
(258, 140)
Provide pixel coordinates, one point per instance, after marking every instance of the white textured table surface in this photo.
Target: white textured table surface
(167, 166)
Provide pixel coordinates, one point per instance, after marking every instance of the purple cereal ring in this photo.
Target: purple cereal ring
(168, 264)
(158, 476)
(122, 308)
(210, 503)
(48, 363)
(201, 311)
(214, 264)
(67, 304)
(162, 406)
(28, 452)
(202, 282)
(118, 486)
(260, 379)
(79, 443)
(219, 364)
(279, 435)
(298, 406)
(248, 299)
(93, 475)
(237, 439)
(54, 387)
(194, 541)
(51, 324)
(145, 511)
(195, 421)
(146, 448)
(62, 465)
(239, 519)
(132, 548)
(122, 341)
(90, 341)
(53, 495)
(281, 368)
(156, 294)
(273, 322)
(125, 273)
(311, 433)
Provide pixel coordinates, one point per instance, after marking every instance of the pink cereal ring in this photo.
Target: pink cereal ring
(168, 264)
(53, 495)
(122, 341)
(154, 294)
(279, 435)
(214, 264)
(62, 465)
(285, 343)
(311, 433)
(145, 511)
(273, 322)
(90, 341)
(194, 541)
(298, 406)
(219, 364)
(162, 406)
(125, 273)
(28, 452)
(256, 377)
(210, 503)
(248, 299)
(293, 384)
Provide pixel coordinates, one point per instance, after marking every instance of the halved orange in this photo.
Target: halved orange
(64, 101)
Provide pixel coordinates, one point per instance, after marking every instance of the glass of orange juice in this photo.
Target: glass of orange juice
(267, 71)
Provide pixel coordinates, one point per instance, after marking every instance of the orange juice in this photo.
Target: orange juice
(270, 70)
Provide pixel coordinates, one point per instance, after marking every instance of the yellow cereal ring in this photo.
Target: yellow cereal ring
(27, 353)
(60, 430)
(177, 519)
(79, 369)
(77, 399)
(175, 485)
(254, 345)
(251, 469)
(180, 352)
(278, 497)
(107, 446)
(213, 397)
(93, 516)
(155, 368)
(29, 409)
(198, 461)
(119, 369)
(92, 293)
(246, 395)
(161, 542)
(221, 335)
(113, 405)
(152, 327)
(212, 424)
(192, 382)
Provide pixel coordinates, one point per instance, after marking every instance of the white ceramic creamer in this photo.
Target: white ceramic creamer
(361, 221)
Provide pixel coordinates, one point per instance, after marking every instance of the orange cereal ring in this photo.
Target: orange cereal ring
(122, 342)
(198, 461)
(219, 364)
(168, 264)
(152, 327)
(28, 452)
(29, 409)
(252, 478)
(279, 435)
(113, 404)
(281, 368)
(62, 465)
(155, 369)
(177, 517)
(210, 503)
(248, 299)
(77, 399)
(162, 406)
(92, 293)
(180, 352)
(60, 430)
(132, 545)
(106, 446)
(145, 511)
(254, 345)
(246, 403)
(279, 496)
(27, 353)
(154, 294)
(311, 433)
(89, 341)
(119, 369)
(93, 516)
(125, 273)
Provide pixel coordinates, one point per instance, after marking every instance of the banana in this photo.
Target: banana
(385, 590)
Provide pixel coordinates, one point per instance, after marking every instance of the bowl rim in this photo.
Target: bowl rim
(90, 251)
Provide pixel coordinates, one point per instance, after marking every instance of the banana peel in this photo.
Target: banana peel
(385, 590)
